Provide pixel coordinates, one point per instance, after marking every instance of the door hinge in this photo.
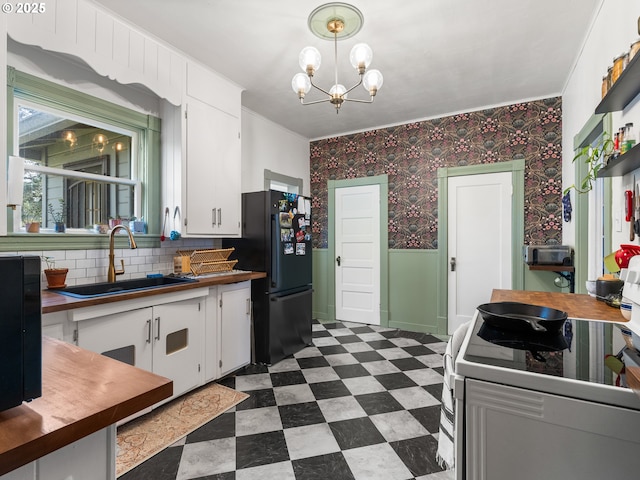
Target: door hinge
(185, 113)
(220, 303)
(185, 221)
(220, 363)
(198, 367)
(75, 336)
(198, 306)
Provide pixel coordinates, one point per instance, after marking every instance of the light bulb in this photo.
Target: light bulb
(300, 84)
(372, 81)
(309, 59)
(338, 89)
(361, 56)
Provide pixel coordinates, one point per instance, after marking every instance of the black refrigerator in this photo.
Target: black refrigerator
(276, 239)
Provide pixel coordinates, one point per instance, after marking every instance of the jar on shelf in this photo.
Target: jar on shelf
(618, 67)
(605, 86)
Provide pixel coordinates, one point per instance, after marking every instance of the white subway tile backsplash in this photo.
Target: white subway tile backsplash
(90, 266)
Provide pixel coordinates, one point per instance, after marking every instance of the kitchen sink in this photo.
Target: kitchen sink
(123, 286)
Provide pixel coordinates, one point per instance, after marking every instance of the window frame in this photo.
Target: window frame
(34, 90)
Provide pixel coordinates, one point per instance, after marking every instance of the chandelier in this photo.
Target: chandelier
(336, 21)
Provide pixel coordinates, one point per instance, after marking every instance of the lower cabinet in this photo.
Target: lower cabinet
(91, 457)
(228, 329)
(162, 334)
(164, 339)
(235, 326)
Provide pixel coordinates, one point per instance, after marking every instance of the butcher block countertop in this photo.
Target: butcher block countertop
(82, 393)
(55, 302)
(576, 305)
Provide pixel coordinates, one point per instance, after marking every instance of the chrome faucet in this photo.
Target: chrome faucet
(111, 274)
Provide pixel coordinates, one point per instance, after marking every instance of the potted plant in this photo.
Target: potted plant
(31, 216)
(56, 277)
(595, 157)
(58, 216)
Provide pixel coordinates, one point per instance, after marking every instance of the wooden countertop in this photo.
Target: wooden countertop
(55, 302)
(577, 305)
(82, 393)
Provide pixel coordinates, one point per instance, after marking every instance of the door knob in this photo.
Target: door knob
(338, 259)
(452, 262)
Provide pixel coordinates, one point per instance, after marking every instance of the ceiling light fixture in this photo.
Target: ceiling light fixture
(336, 21)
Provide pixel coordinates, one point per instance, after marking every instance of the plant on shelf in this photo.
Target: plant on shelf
(56, 277)
(31, 215)
(595, 157)
(58, 216)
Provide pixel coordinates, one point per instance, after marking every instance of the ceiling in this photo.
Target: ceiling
(438, 57)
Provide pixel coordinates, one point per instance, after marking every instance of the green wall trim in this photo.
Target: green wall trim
(58, 241)
(413, 290)
(383, 181)
(517, 226)
(146, 127)
(320, 281)
(593, 129)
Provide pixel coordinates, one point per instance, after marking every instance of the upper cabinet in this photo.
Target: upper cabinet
(209, 185)
(621, 94)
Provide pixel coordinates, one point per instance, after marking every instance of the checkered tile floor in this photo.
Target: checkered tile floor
(362, 404)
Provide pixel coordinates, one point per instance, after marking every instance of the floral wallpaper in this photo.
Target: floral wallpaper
(411, 154)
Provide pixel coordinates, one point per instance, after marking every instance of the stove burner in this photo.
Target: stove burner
(532, 342)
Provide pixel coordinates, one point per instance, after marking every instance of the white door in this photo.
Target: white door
(479, 242)
(357, 242)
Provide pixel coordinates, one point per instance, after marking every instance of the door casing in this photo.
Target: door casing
(383, 181)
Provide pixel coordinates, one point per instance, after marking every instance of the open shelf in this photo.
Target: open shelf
(624, 90)
(623, 164)
(566, 271)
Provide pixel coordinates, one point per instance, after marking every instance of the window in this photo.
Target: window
(54, 140)
(85, 160)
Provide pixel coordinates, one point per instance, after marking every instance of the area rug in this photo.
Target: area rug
(145, 436)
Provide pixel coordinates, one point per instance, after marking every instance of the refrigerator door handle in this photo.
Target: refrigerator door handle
(275, 251)
(289, 297)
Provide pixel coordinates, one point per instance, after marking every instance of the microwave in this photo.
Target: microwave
(548, 255)
(20, 330)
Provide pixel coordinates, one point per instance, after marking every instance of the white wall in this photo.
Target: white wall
(267, 145)
(614, 28)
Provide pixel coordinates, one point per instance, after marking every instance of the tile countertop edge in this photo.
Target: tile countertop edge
(73, 402)
(54, 302)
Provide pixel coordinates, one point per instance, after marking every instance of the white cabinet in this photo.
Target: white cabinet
(202, 156)
(90, 457)
(211, 187)
(517, 433)
(235, 326)
(228, 329)
(165, 338)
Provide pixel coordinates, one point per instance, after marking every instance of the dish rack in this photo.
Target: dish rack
(200, 262)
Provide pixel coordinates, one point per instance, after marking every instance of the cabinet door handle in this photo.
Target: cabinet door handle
(219, 216)
(157, 337)
(248, 306)
(213, 217)
(149, 331)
